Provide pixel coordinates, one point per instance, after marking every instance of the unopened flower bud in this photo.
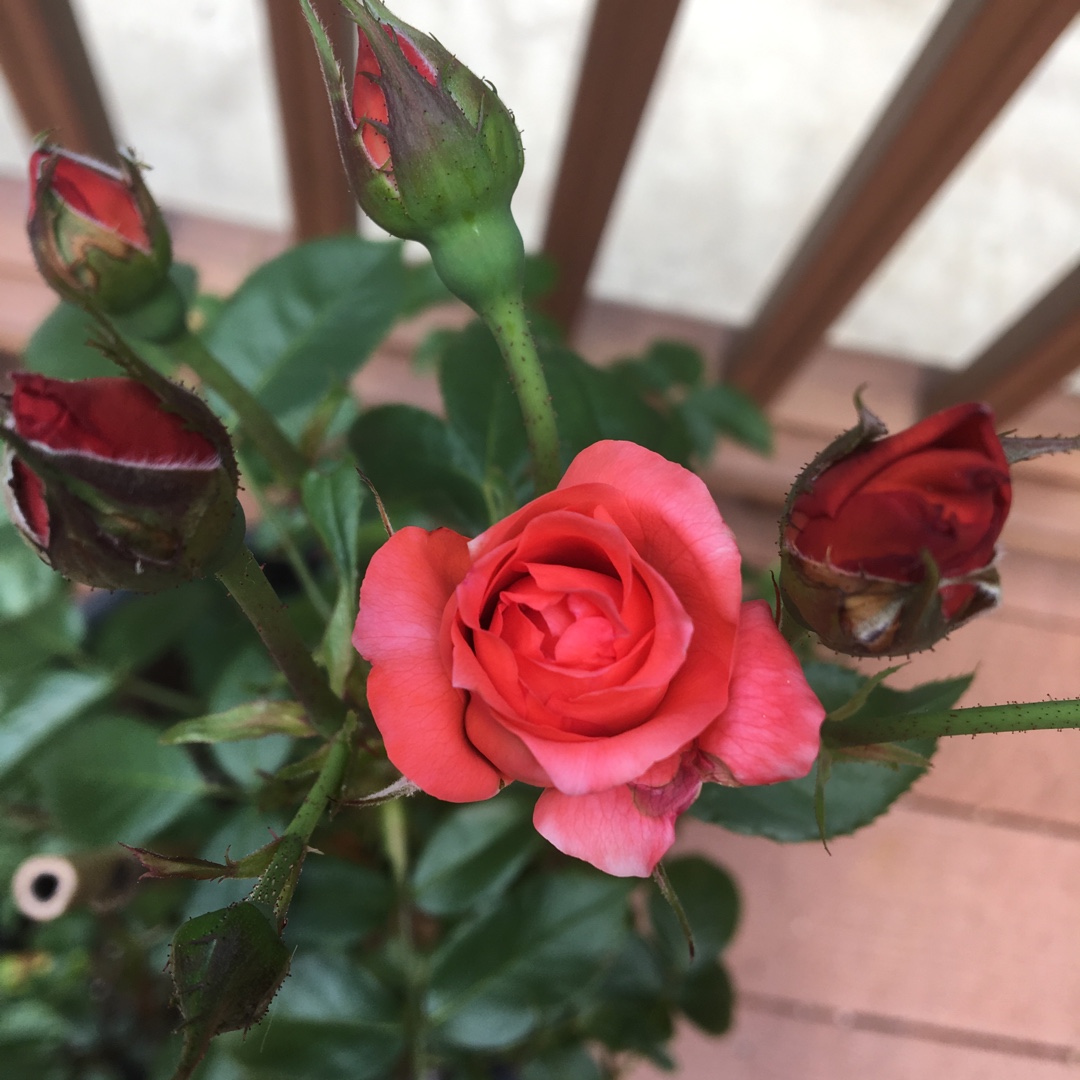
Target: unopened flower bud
(432, 153)
(95, 231)
(888, 543)
(119, 486)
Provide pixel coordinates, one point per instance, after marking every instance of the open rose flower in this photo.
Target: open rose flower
(594, 644)
(889, 543)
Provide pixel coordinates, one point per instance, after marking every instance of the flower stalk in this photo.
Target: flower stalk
(278, 882)
(259, 426)
(248, 586)
(506, 319)
(975, 720)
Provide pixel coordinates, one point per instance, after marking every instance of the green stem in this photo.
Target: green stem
(977, 720)
(508, 323)
(257, 424)
(396, 845)
(248, 586)
(278, 881)
(291, 551)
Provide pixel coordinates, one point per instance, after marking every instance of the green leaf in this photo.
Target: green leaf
(413, 459)
(306, 320)
(109, 779)
(707, 998)
(722, 410)
(58, 347)
(665, 365)
(250, 721)
(480, 404)
(597, 403)
(337, 904)
(136, 630)
(52, 629)
(711, 903)
(631, 1008)
(25, 581)
(332, 1020)
(474, 855)
(50, 703)
(856, 793)
(494, 980)
(333, 498)
(567, 1063)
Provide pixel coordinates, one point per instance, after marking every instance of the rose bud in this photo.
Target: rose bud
(595, 644)
(118, 486)
(888, 543)
(95, 231)
(432, 153)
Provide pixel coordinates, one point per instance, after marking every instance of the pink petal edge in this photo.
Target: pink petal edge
(770, 730)
(605, 829)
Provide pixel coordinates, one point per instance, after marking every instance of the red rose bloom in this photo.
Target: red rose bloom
(116, 486)
(867, 530)
(594, 644)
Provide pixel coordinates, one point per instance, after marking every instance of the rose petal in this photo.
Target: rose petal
(115, 419)
(770, 729)
(605, 829)
(400, 629)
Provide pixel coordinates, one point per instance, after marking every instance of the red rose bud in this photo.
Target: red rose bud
(432, 153)
(118, 486)
(96, 232)
(888, 543)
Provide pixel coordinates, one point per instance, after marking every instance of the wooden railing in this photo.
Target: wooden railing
(976, 58)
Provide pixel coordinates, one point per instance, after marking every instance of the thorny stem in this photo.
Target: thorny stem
(248, 586)
(396, 844)
(278, 882)
(977, 720)
(508, 323)
(256, 423)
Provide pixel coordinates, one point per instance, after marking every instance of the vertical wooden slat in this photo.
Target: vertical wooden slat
(47, 67)
(1030, 358)
(978, 55)
(625, 45)
(322, 203)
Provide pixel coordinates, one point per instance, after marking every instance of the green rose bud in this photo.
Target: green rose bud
(432, 153)
(95, 231)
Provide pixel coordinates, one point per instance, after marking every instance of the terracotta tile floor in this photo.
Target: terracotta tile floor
(944, 941)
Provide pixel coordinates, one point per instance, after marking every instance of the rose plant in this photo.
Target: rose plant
(557, 653)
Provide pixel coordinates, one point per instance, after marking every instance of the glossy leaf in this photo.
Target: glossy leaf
(332, 1019)
(416, 461)
(707, 998)
(708, 897)
(109, 779)
(475, 854)
(856, 793)
(480, 404)
(250, 721)
(568, 1063)
(51, 702)
(496, 978)
(306, 320)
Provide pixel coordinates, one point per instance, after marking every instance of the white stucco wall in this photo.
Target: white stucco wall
(756, 112)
